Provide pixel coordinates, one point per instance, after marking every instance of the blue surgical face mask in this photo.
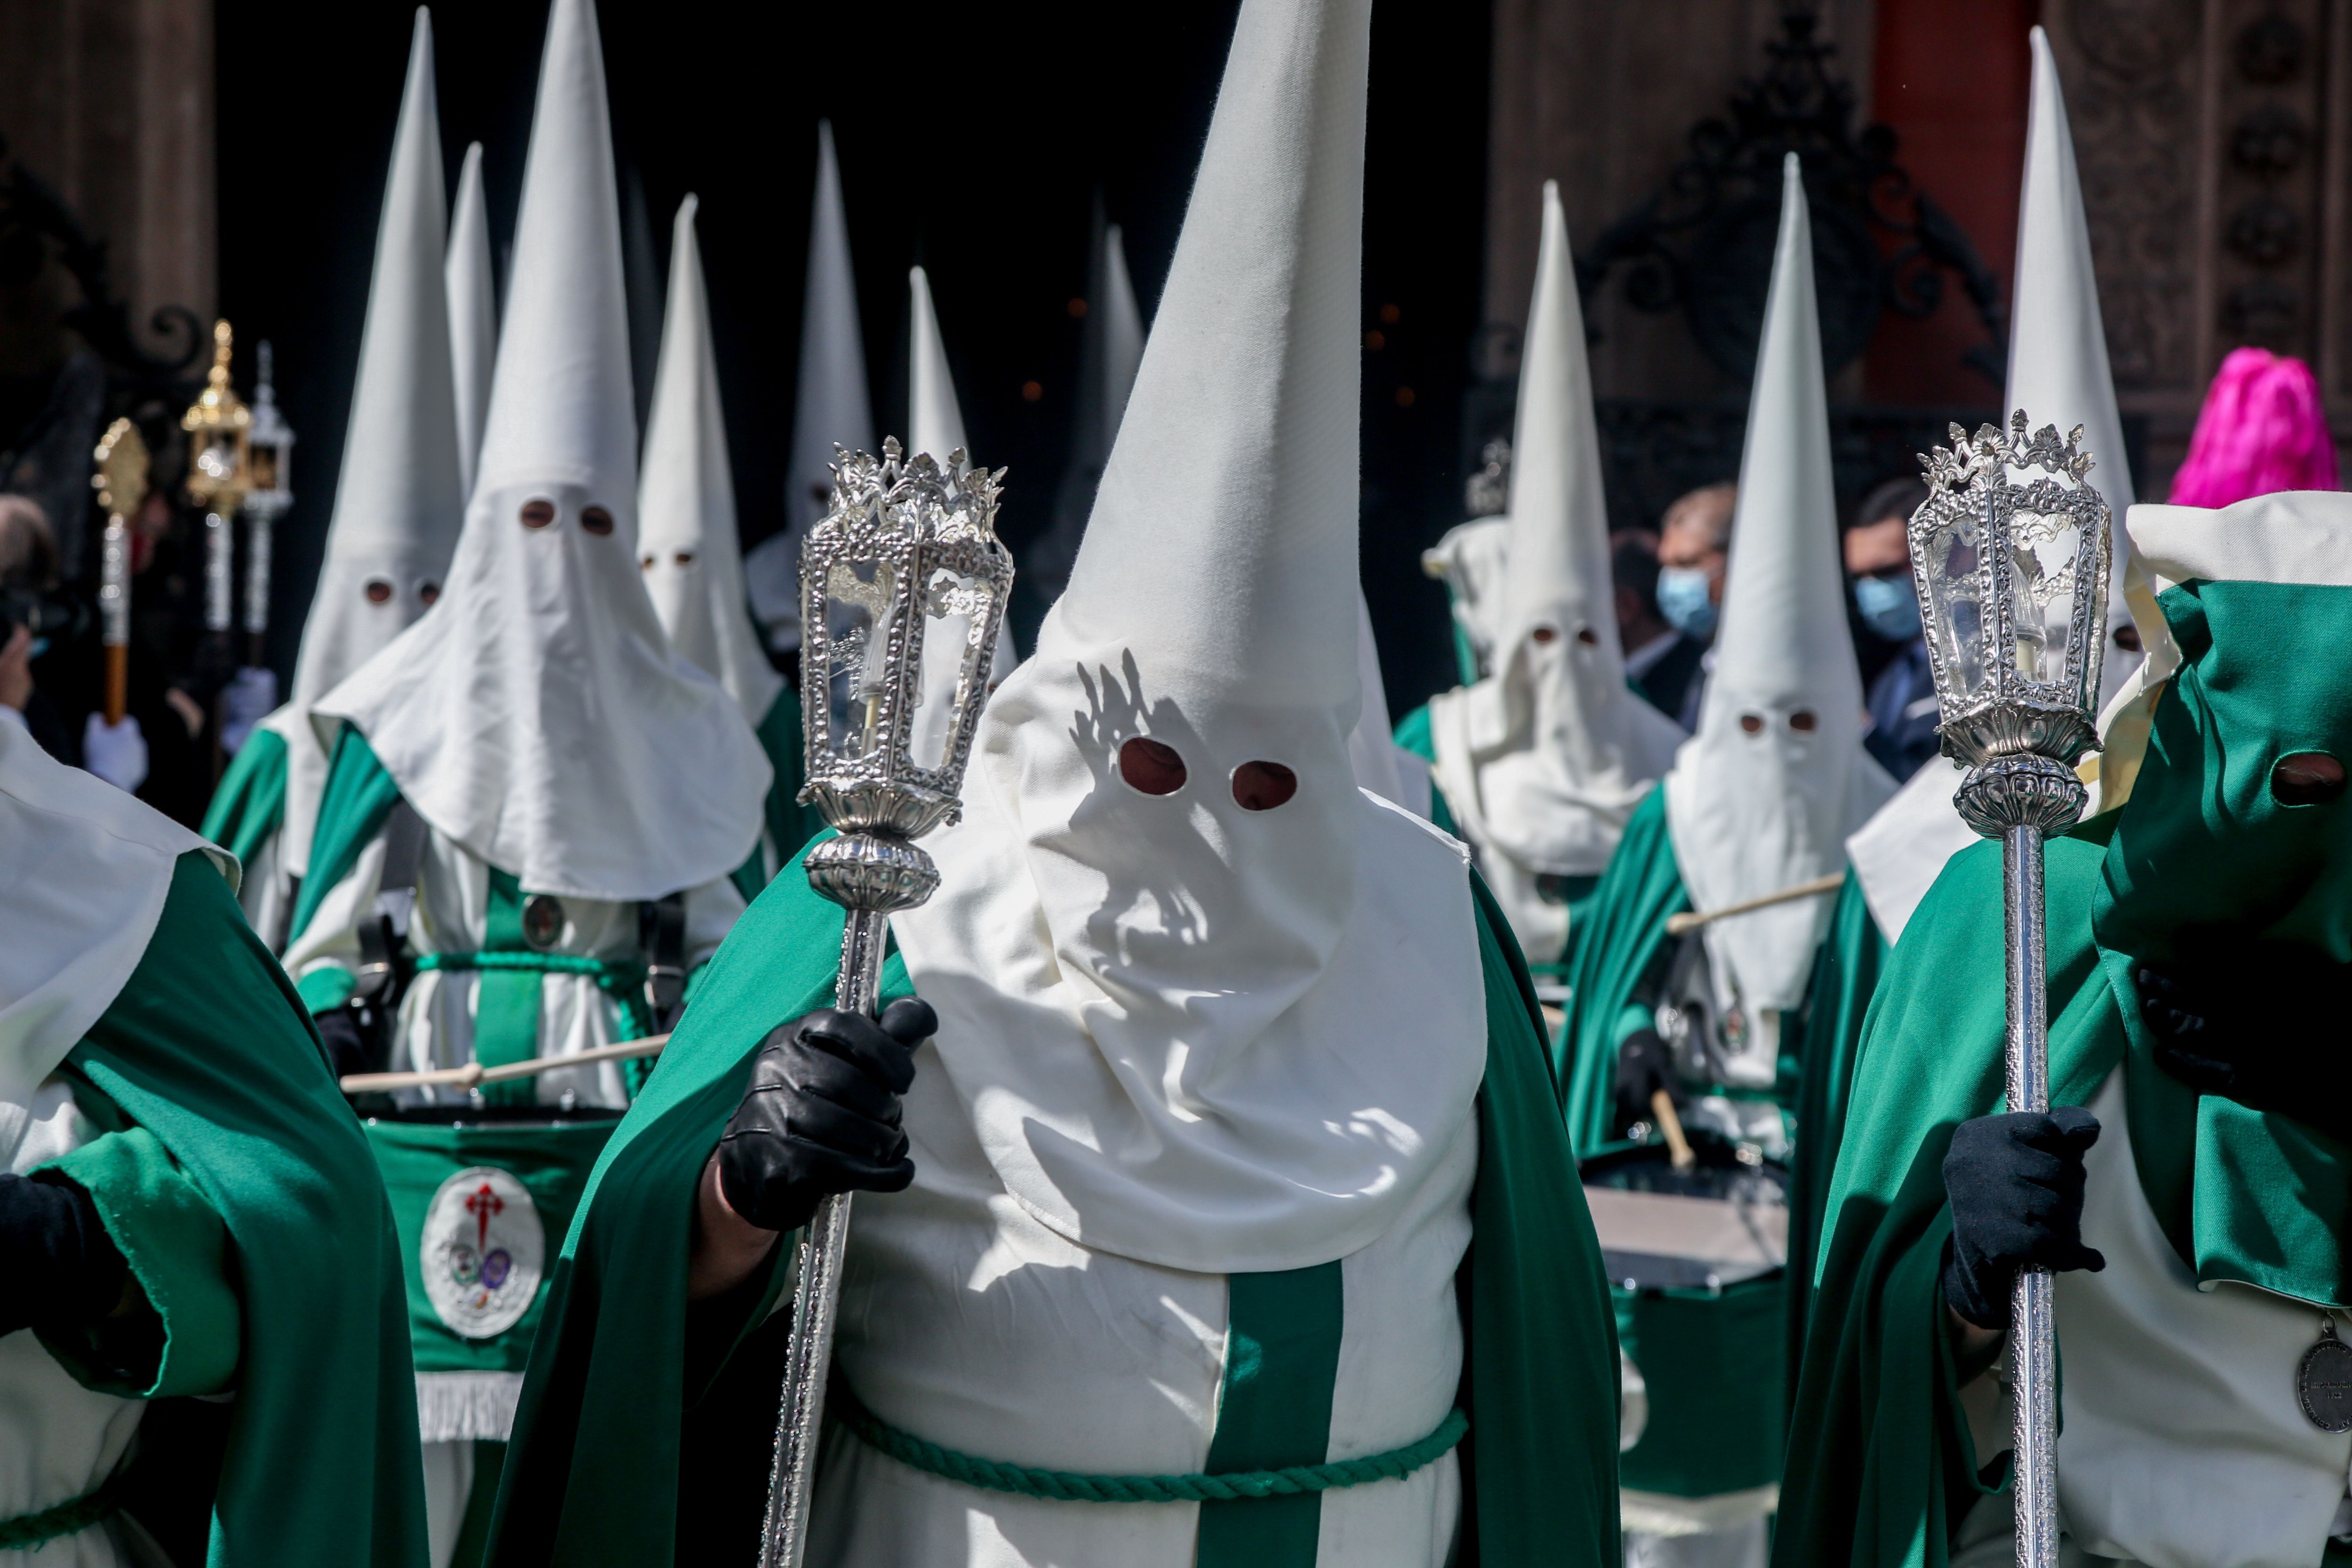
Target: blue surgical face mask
(1889, 606)
(1684, 599)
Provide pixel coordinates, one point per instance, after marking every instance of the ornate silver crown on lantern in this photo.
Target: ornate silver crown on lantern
(2012, 592)
(907, 554)
(2012, 600)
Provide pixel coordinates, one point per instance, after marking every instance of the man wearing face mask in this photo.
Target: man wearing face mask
(1694, 551)
(1901, 699)
(2193, 1181)
(397, 508)
(1746, 827)
(527, 835)
(1219, 1143)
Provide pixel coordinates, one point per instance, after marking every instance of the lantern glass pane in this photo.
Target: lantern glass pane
(2044, 550)
(861, 599)
(956, 660)
(1954, 566)
(262, 461)
(217, 460)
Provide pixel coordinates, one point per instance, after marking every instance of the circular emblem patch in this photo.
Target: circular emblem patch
(482, 1253)
(2323, 1383)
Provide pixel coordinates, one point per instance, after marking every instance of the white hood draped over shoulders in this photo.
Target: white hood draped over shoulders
(687, 544)
(401, 495)
(1763, 796)
(1206, 1003)
(536, 715)
(81, 888)
(1543, 762)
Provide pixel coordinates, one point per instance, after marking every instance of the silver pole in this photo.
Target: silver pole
(2032, 1332)
(808, 1355)
(220, 573)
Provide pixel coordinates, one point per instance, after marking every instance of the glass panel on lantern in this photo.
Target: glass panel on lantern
(859, 600)
(1953, 564)
(957, 606)
(217, 461)
(2043, 547)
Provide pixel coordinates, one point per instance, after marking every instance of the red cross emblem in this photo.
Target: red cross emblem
(482, 1204)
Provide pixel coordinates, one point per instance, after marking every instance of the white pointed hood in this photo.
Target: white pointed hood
(687, 544)
(935, 428)
(81, 888)
(401, 496)
(832, 406)
(536, 715)
(1543, 762)
(1755, 810)
(1110, 347)
(2058, 350)
(1191, 1033)
(473, 311)
(1381, 766)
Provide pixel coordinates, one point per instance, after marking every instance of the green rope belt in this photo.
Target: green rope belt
(69, 1518)
(619, 978)
(1065, 1486)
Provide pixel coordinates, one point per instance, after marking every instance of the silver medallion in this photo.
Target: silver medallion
(542, 921)
(2324, 1382)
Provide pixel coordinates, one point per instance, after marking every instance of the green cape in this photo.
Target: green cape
(205, 1048)
(359, 796)
(1608, 956)
(607, 1403)
(1881, 1469)
(789, 822)
(1845, 977)
(249, 803)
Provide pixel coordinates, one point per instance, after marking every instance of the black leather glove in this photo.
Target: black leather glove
(58, 1269)
(821, 1115)
(2015, 1183)
(2259, 1023)
(349, 1048)
(1646, 1064)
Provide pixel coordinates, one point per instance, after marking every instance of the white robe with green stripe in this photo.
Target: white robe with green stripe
(967, 1322)
(436, 1017)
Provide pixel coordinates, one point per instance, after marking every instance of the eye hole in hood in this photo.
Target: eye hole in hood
(1262, 785)
(1151, 767)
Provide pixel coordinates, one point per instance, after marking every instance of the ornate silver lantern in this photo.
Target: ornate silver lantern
(218, 475)
(2012, 596)
(907, 553)
(270, 452)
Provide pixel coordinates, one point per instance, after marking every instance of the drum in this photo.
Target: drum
(1697, 1264)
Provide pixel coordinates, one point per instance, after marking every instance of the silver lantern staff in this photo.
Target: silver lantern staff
(269, 451)
(2014, 593)
(904, 549)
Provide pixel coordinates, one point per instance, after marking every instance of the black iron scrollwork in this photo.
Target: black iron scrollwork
(1703, 244)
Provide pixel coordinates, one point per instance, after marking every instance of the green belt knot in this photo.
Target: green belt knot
(1067, 1486)
(72, 1517)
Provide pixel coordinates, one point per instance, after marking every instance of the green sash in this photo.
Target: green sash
(1845, 977)
(1608, 955)
(357, 796)
(249, 803)
(605, 1404)
(205, 1048)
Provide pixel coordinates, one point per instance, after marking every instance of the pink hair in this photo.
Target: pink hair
(2262, 429)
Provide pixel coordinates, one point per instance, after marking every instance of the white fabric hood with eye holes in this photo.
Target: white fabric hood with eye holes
(1543, 762)
(935, 428)
(1381, 766)
(1187, 1032)
(830, 408)
(1756, 802)
(686, 545)
(401, 495)
(536, 715)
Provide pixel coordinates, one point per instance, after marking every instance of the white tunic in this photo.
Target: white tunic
(967, 1322)
(436, 1017)
(2184, 1445)
(57, 1439)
